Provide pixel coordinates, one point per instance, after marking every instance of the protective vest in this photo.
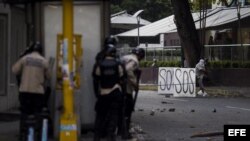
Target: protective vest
(109, 69)
(34, 69)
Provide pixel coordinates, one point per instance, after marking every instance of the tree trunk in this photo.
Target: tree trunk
(189, 38)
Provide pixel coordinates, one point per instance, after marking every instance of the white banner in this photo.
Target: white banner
(177, 81)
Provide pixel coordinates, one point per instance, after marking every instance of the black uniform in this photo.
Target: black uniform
(108, 74)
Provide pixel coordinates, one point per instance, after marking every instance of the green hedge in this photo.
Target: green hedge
(229, 64)
(211, 64)
(161, 64)
(164, 52)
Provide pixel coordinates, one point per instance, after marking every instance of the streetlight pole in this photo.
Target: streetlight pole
(239, 27)
(137, 15)
(138, 25)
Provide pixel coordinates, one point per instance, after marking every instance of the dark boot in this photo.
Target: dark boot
(111, 138)
(126, 134)
(97, 138)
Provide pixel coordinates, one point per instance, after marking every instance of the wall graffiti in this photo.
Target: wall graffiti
(177, 81)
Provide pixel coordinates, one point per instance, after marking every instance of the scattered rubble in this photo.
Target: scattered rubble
(207, 134)
(191, 126)
(152, 112)
(140, 110)
(171, 110)
(163, 110)
(165, 102)
(214, 111)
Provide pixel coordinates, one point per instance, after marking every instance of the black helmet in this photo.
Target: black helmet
(111, 50)
(111, 40)
(37, 47)
(139, 52)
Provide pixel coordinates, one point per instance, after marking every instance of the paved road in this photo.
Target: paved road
(188, 117)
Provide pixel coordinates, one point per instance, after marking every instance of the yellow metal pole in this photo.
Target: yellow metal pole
(68, 41)
(68, 126)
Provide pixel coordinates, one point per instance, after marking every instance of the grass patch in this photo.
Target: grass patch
(148, 87)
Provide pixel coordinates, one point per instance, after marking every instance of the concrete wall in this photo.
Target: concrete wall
(16, 42)
(229, 77)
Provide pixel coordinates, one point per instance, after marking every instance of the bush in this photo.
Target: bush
(161, 64)
(245, 65)
(216, 64)
(236, 64)
(226, 64)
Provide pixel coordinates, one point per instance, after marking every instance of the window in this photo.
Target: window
(165, 43)
(171, 42)
(3, 53)
(178, 42)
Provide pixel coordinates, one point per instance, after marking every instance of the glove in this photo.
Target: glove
(136, 88)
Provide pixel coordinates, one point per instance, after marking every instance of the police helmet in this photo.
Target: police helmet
(111, 40)
(111, 50)
(37, 47)
(139, 52)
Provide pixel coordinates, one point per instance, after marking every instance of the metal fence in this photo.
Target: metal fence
(233, 52)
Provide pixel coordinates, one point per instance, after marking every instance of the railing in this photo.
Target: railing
(233, 52)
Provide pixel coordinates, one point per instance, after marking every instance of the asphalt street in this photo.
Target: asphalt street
(164, 118)
(160, 118)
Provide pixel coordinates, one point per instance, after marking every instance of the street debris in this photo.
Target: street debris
(138, 129)
(207, 134)
(171, 110)
(192, 110)
(163, 110)
(140, 110)
(168, 95)
(191, 126)
(152, 112)
(180, 139)
(165, 102)
(214, 111)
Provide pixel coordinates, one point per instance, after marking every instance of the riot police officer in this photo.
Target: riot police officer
(33, 69)
(108, 76)
(131, 64)
(110, 40)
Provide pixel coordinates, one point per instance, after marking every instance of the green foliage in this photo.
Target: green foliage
(160, 64)
(196, 5)
(164, 52)
(216, 64)
(115, 8)
(245, 64)
(228, 64)
(236, 64)
(153, 9)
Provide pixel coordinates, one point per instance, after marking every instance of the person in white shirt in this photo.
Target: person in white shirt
(200, 71)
